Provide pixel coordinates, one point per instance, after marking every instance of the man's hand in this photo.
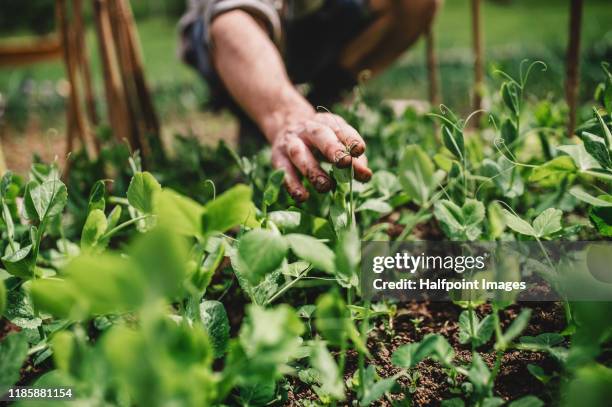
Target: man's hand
(252, 70)
(295, 146)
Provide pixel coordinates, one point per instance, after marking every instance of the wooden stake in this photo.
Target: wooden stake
(478, 59)
(573, 63)
(128, 87)
(133, 42)
(116, 104)
(432, 68)
(76, 120)
(83, 59)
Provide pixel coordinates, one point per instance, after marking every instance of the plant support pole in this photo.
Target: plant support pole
(432, 68)
(478, 59)
(573, 63)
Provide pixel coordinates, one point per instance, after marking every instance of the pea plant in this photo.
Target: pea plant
(175, 287)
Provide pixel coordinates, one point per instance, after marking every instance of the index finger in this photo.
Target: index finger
(348, 135)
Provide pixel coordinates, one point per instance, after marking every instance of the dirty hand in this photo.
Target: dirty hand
(296, 143)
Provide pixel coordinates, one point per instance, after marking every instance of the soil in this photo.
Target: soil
(513, 381)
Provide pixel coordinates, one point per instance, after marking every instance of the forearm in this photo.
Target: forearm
(252, 70)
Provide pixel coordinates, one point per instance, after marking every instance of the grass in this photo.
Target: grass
(521, 28)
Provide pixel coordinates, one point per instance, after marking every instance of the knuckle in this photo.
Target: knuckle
(294, 150)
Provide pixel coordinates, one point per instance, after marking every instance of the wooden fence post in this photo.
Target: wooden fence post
(432, 67)
(76, 122)
(572, 67)
(477, 40)
(116, 103)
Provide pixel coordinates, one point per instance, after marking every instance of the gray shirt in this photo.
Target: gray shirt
(272, 12)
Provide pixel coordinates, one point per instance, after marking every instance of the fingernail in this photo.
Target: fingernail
(299, 196)
(322, 183)
(363, 176)
(356, 148)
(342, 159)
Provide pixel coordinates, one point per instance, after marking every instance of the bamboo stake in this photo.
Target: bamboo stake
(573, 63)
(478, 59)
(150, 128)
(76, 122)
(128, 87)
(83, 58)
(117, 107)
(138, 70)
(432, 68)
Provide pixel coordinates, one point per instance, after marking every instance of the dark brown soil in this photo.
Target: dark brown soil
(513, 381)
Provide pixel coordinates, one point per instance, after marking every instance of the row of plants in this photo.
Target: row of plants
(179, 286)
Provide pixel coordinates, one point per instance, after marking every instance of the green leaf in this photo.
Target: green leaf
(596, 147)
(313, 251)
(518, 225)
(580, 194)
(375, 391)
(161, 257)
(527, 401)
(602, 217)
(141, 191)
(285, 220)
(558, 167)
(229, 210)
(509, 92)
(509, 132)
(432, 346)
(582, 159)
(453, 141)
(275, 180)
(54, 296)
(64, 349)
(407, 356)
(543, 341)
(505, 176)
(517, 326)
(375, 205)
(179, 213)
(460, 223)
(96, 196)
(437, 348)
(328, 374)
(13, 353)
(348, 253)
(479, 375)
(2, 298)
(216, 324)
(45, 200)
(548, 222)
(262, 251)
(477, 332)
(20, 262)
(416, 174)
(95, 227)
(496, 218)
(269, 338)
(454, 402)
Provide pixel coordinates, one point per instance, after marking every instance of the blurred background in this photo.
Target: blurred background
(33, 97)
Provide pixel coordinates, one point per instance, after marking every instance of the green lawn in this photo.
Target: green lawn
(525, 27)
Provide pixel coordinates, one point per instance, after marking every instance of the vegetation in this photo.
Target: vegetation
(178, 286)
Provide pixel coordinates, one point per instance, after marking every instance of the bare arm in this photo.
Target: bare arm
(252, 70)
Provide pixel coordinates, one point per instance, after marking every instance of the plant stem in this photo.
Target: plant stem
(364, 336)
(287, 286)
(123, 226)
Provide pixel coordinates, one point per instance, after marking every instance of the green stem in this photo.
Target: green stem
(123, 226)
(472, 333)
(287, 286)
(364, 336)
